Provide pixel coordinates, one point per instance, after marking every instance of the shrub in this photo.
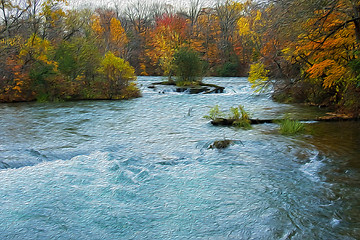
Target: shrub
(355, 67)
(238, 114)
(46, 83)
(131, 91)
(188, 66)
(118, 74)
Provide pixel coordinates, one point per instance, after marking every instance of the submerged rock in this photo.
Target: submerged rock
(192, 89)
(221, 144)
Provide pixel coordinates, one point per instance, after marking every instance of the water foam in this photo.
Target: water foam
(313, 168)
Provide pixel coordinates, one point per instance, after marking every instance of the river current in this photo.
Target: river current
(142, 169)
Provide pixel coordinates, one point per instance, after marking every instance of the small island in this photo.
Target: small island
(193, 88)
(188, 69)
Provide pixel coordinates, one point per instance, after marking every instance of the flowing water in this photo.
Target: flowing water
(142, 169)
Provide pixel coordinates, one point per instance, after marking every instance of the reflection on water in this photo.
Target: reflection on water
(141, 169)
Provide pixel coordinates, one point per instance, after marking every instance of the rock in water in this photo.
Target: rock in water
(221, 144)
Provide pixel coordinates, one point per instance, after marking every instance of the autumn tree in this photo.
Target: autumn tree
(228, 14)
(139, 18)
(109, 32)
(205, 38)
(312, 49)
(167, 37)
(119, 76)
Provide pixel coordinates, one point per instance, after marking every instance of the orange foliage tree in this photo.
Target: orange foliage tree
(109, 32)
(166, 38)
(205, 37)
(325, 53)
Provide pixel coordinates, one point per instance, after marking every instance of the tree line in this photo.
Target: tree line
(309, 50)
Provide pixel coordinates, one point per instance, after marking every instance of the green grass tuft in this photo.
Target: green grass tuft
(291, 127)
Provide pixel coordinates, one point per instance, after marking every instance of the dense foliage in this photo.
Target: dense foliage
(188, 66)
(312, 51)
(310, 54)
(49, 54)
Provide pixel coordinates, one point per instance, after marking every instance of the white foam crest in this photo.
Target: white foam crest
(334, 222)
(312, 168)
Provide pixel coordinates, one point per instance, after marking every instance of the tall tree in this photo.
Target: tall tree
(167, 37)
(228, 13)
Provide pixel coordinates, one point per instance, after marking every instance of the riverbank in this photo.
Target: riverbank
(345, 102)
(85, 94)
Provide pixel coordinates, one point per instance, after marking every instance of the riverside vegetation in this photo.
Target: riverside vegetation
(238, 117)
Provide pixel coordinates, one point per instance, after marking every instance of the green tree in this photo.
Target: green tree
(188, 66)
(78, 58)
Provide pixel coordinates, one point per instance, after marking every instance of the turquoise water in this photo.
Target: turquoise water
(141, 169)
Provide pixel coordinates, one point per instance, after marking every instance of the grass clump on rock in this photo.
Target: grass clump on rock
(214, 113)
(240, 117)
(237, 117)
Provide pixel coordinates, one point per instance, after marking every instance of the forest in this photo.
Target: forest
(307, 51)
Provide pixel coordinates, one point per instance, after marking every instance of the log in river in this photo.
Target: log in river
(331, 117)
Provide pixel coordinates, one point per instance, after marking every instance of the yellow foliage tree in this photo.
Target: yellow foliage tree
(119, 75)
(96, 26)
(248, 26)
(258, 77)
(205, 38)
(37, 49)
(109, 33)
(166, 39)
(118, 36)
(52, 12)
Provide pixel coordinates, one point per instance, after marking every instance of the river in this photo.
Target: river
(142, 169)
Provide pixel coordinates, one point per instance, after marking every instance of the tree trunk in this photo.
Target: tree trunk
(356, 17)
